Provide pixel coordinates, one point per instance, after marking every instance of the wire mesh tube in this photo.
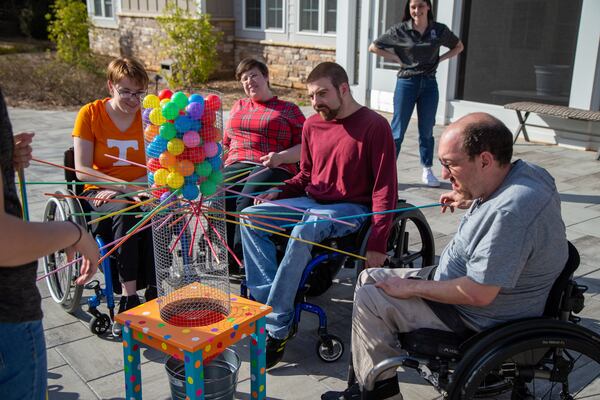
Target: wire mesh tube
(184, 156)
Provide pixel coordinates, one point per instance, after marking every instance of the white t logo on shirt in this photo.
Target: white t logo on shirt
(122, 145)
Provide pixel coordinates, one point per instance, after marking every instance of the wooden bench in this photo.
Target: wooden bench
(529, 107)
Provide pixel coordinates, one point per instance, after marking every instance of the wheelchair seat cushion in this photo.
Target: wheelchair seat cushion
(432, 342)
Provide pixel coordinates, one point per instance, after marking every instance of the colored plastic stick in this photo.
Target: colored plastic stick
(141, 203)
(23, 191)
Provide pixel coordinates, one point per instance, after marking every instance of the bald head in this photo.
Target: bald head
(480, 132)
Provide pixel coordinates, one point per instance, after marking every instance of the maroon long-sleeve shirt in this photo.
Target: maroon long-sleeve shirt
(349, 160)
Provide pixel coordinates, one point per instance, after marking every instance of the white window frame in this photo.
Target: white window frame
(102, 21)
(263, 18)
(321, 30)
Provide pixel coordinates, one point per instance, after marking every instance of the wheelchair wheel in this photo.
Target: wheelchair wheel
(410, 243)
(100, 325)
(330, 348)
(61, 284)
(554, 364)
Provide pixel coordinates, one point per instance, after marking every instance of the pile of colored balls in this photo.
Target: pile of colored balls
(183, 153)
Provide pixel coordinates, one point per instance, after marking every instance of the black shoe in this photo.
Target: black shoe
(151, 293)
(351, 393)
(275, 349)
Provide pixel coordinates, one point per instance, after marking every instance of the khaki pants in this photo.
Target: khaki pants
(378, 318)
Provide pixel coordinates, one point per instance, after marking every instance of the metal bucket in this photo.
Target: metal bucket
(220, 376)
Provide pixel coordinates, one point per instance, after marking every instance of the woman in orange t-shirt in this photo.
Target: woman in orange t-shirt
(113, 126)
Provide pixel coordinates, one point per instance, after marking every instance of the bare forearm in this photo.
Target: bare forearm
(456, 291)
(387, 54)
(452, 52)
(291, 155)
(87, 174)
(23, 242)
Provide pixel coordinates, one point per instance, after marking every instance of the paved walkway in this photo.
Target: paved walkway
(83, 366)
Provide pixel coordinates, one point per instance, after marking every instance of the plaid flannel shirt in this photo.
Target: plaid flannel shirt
(254, 129)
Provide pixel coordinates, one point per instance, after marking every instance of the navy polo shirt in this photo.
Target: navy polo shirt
(419, 54)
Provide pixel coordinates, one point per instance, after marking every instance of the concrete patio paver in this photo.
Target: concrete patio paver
(83, 366)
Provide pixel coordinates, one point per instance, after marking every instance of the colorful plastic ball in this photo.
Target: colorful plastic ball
(156, 117)
(146, 116)
(190, 192)
(191, 139)
(216, 176)
(215, 162)
(197, 98)
(165, 94)
(158, 192)
(167, 197)
(168, 160)
(174, 180)
(150, 178)
(168, 131)
(203, 169)
(153, 164)
(191, 179)
(151, 101)
(210, 149)
(208, 187)
(150, 132)
(183, 123)
(195, 110)
(194, 154)
(180, 99)
(196, 125)
(208, 118)
(157, 147)
(175, 146)
(213, 102)
(185, 167)
(163, 102)
(160, 177)
(210, 134)
(170, 110)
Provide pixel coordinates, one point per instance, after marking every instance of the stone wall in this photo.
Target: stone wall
(136, 36)
(289, 64)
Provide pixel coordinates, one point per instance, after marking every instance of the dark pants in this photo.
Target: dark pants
(134, 259)
(238, 203)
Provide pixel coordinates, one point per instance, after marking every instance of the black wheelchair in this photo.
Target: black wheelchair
(410, 244)
(549, 357)
(65, 206)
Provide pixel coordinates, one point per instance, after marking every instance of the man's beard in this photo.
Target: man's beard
(327, 113)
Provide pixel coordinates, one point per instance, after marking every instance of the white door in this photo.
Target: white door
(383, 75)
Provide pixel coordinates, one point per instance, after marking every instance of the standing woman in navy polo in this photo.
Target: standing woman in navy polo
(415, 44)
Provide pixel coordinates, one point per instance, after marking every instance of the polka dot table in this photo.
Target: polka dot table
(195, 346)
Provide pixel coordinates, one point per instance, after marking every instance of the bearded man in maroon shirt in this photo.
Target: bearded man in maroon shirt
(347, 168)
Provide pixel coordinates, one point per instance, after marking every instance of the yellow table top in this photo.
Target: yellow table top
(150, 329)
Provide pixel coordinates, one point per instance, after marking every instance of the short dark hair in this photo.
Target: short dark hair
(249, 63)
(334, 72)
(407, 16)
(491, 135)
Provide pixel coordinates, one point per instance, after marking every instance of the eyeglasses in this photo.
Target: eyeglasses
(126, 94)
(450, 166)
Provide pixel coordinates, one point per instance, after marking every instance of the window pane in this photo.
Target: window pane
(253, 14)
(330, 15)
(309, 15)
(98, 8)
(275, 14)
(108, 8)
(518, 50)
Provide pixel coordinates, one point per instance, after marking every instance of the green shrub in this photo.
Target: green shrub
(191, 42)
(68, 29)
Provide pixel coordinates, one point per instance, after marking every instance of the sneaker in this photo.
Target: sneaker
(125, 303)
(351, 393)
(275, 349)
(429, 178)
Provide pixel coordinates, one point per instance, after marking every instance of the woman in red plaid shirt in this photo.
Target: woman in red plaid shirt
(264, 132)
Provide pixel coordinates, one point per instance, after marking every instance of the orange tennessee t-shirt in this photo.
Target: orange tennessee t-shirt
(94, 124)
